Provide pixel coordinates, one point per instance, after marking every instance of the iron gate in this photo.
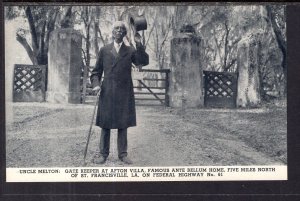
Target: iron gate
(220, 89)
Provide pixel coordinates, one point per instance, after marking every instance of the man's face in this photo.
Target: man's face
(119, 32)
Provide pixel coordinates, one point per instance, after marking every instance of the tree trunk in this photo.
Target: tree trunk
(27, 47)
(227, 30)
(50, 27)
(34, 37)
(42, 55)
(38, 52)
(87, 45)
(96, 25)
(280, 41)
(67, 21)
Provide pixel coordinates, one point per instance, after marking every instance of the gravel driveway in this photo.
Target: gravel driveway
(49, 135)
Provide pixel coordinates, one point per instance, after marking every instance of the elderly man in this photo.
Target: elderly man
(116, 109)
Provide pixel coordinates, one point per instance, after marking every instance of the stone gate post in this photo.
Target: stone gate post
(248, 67)
(64, 66)
(186, 71)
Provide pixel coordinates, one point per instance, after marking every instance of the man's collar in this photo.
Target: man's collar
(116, 44)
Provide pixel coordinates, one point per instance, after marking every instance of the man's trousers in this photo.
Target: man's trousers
(105, 142)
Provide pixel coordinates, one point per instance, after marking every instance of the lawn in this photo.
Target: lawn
(264, 129)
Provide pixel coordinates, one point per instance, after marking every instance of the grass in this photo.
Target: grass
(263, 129)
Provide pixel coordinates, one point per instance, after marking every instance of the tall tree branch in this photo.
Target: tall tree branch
(96, 26)
(27, 47)
(164, 40)
(50, 26)
(151, 30)
(126, 10)
(66, 22)
(100, 34)
(280, 41)
(227, 30)
(226, 69)
(84, 56)
(279, 37)
(32, 29)
(42, 38)
(87, 45)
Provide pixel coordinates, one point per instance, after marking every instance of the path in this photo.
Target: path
(45, 135)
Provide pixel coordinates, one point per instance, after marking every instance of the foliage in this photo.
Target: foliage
(41, 20)
(220, 27)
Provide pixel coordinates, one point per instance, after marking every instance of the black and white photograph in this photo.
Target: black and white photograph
(145, 93)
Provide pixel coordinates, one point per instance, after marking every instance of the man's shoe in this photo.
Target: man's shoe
(98, 159)
(126, 160)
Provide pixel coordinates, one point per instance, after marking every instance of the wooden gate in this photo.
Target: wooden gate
(220, 89)
(29, 83)
(153, 89)
(149, 91)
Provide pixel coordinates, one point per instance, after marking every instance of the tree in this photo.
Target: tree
(160, 28)
(225, 37)
(86, 16)
(276, 16)
(42, 20)
(220, 27)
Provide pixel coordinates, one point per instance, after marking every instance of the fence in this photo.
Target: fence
(220, 89)
(29, 83)
(153, 90)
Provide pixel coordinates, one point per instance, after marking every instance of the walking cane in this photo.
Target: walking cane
(90, 130)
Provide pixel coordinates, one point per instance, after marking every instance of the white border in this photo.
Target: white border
(129, 174)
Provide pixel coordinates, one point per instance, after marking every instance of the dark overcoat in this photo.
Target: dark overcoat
(116, 107)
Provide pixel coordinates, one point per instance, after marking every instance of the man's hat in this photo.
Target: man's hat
(138, 22)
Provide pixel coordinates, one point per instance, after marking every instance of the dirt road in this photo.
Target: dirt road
(45, 135)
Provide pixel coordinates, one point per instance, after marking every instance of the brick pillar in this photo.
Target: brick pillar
(186, 72)
(64, 66)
